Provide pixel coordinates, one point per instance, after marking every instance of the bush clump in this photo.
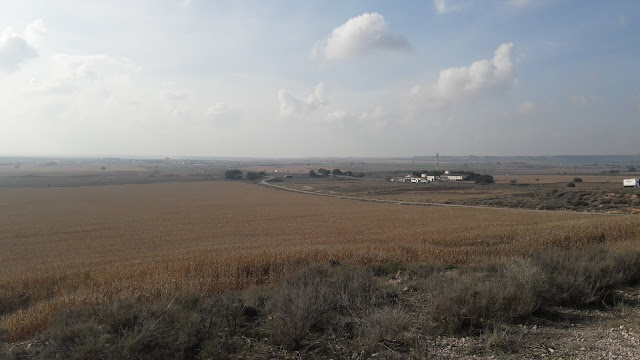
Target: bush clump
(317, 298)
(470, 302)
(585, 277)
(180, 328)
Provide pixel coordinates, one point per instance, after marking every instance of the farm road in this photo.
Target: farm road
(397, 202)
(266, 182)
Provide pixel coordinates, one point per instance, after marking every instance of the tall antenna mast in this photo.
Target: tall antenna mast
(437, 161)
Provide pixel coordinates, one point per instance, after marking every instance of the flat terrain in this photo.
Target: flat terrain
(47, 230)
(70, 245)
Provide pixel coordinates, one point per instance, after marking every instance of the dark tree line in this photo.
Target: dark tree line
(324, 173)
(236, 174)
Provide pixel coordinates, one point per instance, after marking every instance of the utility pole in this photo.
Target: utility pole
(437, 161)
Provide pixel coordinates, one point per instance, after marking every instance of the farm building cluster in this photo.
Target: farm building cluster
(424, 178)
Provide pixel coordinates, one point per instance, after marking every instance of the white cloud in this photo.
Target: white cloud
(360, 35)
(16, 48)
(174, 93)
(63, 73)
(525, 107)
(377, 118)
(479, 77)
(292, 106)
(445, 6)
(223, 114)
(34, 33)
(184, 3)
(340, 117)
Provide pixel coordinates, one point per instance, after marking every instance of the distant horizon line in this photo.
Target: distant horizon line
(208, 157)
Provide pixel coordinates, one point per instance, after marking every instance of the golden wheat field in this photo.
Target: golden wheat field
(61, 247)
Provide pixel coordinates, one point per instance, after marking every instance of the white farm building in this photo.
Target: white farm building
(424, 178)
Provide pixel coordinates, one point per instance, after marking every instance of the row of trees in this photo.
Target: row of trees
(236, 174)
(324, 173)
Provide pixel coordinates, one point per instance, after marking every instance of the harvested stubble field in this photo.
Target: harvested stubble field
(67, 246)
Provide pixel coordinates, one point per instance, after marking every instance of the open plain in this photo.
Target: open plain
(67, 246)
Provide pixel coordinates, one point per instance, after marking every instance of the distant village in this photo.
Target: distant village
(426, 178)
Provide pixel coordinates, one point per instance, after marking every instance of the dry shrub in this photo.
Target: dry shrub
(127, 328)
(321, 299)
(382, 324)
(299, 303)
(586, 276)
(475, 300)
(504, 338)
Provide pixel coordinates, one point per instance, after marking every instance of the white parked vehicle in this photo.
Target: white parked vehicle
(631, 182)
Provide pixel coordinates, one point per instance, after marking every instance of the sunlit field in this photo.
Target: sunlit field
(67, 246)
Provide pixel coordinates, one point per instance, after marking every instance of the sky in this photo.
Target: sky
(365, 78)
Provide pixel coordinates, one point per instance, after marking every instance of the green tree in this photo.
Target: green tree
(484, 179)
(324, 172)
(575, 180)
(313, 174)
(571, 184)
(233, 174)
(253, 176)
(336, 172)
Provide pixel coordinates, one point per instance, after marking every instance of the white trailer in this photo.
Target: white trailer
(631, 182)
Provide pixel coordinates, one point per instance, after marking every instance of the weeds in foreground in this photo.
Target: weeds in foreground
(339, 311)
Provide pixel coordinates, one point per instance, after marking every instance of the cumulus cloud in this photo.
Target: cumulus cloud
(18, 48)
(291, 105)
(445, 6)
(34, 33)
(377, 118)
(481, 76)
(63, 73)
(360, 35)
(340, 118)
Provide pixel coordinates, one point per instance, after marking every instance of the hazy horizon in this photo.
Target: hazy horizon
(317, 79)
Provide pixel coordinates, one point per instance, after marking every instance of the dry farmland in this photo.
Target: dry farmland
(66, 246)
